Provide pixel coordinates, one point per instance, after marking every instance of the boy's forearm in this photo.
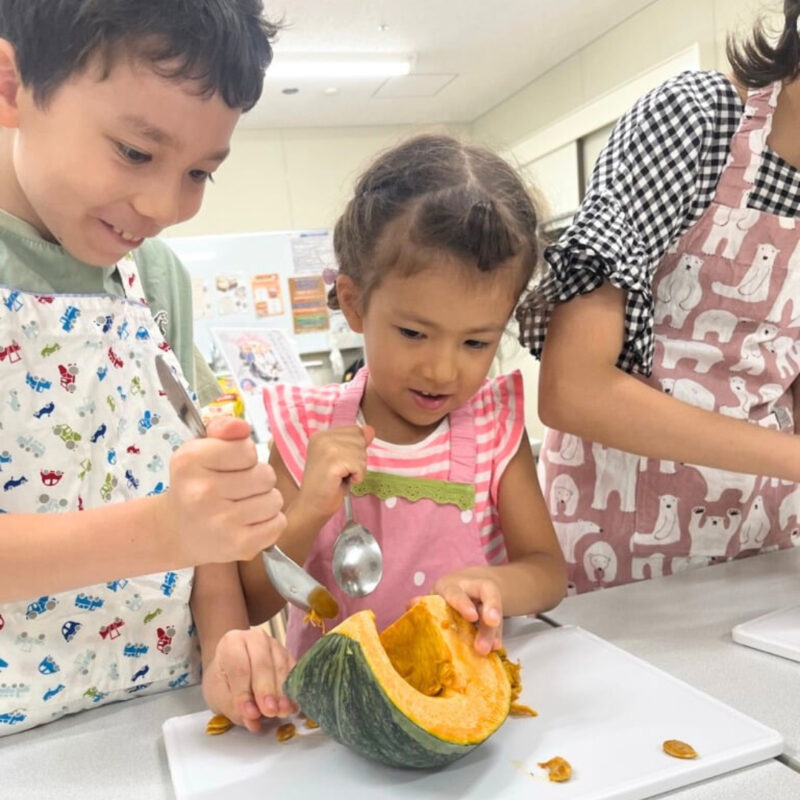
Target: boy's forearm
(217, 605)
(81, 548)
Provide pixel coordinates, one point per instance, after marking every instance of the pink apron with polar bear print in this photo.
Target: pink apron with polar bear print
(726, 321)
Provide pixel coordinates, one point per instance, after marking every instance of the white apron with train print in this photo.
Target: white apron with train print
(727, 316)
(84, 425)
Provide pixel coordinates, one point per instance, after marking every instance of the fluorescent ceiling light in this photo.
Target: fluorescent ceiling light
(311, 65)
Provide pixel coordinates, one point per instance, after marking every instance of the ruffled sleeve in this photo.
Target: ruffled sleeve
(499, 413)
(653, 180)
(294, 414)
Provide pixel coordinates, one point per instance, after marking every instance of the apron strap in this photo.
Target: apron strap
(345, 409)
(462, 427)
(462, 445)
(131, 282)
(747, 147)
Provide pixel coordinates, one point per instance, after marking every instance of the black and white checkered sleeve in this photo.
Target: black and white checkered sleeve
(655, 177)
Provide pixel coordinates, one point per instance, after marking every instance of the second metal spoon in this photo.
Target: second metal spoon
(357, 558)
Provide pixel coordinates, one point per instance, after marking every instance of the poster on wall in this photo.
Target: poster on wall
(309, 303)
(312, 252)
(267, 294)
(231, 293)
(201, 298)
(255, 358)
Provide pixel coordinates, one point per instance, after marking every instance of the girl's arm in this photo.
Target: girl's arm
(332, 456)
(535, 577)
(581, 391)
(221, 506)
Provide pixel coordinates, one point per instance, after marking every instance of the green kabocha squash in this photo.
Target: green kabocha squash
(418, 695)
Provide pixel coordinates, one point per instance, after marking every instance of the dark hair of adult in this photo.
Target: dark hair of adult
(437, 195)
(758, 62)
(221, 45)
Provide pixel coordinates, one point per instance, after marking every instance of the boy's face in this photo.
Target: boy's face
(107, 163)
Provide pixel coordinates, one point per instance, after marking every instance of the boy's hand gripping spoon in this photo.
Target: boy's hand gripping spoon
(293, 583)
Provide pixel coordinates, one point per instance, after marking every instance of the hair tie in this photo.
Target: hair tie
(329, 275)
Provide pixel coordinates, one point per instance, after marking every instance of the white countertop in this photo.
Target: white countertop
(117, 752)
(682, 624)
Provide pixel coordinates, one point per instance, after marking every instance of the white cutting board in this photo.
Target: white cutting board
(777, 632)
(602, 709)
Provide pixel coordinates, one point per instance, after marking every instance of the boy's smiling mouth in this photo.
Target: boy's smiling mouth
(125, 236)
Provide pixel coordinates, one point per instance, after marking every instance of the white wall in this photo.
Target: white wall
(289, 179)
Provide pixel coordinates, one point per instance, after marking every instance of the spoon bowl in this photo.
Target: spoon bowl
(357, 556)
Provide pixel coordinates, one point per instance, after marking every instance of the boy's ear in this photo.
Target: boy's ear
(9, 85)
(350, 302)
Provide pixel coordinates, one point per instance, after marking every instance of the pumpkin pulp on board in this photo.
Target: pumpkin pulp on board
(418, 695)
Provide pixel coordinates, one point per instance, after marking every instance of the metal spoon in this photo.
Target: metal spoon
(357, 557)
(293, 583)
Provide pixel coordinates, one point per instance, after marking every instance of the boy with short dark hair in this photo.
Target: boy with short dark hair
(114, 114)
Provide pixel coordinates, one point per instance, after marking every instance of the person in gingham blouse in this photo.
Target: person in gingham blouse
(668, 329)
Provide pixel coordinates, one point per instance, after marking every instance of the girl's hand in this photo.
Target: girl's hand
(334, 455)
(222, 504)
(478, 600)
(245, 678)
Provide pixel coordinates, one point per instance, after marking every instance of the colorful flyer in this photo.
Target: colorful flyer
(308, 297)
(257, 357)
(267, 295)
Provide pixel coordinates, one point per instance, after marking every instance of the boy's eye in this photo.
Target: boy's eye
(409, 333)
(475, 344)
(201, 176)
(133, 155)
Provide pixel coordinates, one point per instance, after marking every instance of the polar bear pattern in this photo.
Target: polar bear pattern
(688, 391)
(600, 563)
(746, 399)
(718, 480)
(564, 495)
(710, 535)
(730, 226)
(679, 291)
(703, 355)
(667, 528)
(726, 315)
(615, 471)
(754, 285)
(755, 527)
(715, 321)
(570, 533)
(757, 141)
(649, 567)
(751, 356)
(786, 350)
(789, 508)
(789, 294)
(570, 453)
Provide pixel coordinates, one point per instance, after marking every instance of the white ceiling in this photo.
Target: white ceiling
(469, 55)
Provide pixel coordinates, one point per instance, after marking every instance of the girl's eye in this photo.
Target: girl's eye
(410, 334)
(132, 155)
(474, 344)
(201, 176)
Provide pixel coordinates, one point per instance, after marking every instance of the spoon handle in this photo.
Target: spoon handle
(348, 506)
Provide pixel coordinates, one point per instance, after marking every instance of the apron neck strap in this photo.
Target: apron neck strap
(747, 147)
(462, 427)
(131, 282)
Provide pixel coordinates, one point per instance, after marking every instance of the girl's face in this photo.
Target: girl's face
(429, 340)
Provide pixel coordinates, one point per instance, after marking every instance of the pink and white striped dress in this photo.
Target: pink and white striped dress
(433, 503)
